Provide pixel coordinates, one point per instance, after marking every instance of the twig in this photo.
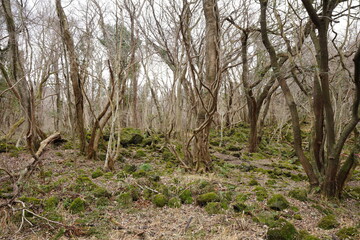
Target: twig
(188, 224)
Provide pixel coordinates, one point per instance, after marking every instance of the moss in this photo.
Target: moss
(349, 233)
(186, 197)
(130, 168)
(131, 136)
(328, 222)
(160, 200)
(84, 183)
(261, 193)
(268, 218)
(278, 202)
(139, 173)
(102, 201)
(101, 192)
(174, 202)
(51, 203)
(206, 198)
(239, 207)
(283, 231)
(304, 235)
(97, 173)
(321, 209)
(140, 154)
(299, 194)
(253, 182)
(124, 199)
(146, 167)
(297, 217)
(134, 192)
(31, 200)
(213, 208)
(241, 197)
(109, 175)
(77, 206)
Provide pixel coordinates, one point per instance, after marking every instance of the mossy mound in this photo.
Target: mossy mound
(261, 193)
(328, 222)
(160, 200)
(349, 233)
(283, 231)
(304, 235)
(131, 136)
(205, 198)
(174, 202)
(278, 202)
(213, 208)
(130, 168)
(140, 154)
(253, 182)
(124, 199)
(77, 206)
(101, 192)
(239, 207)
(186, 197)
(102, 201)
(83, 183)
(97, 173)
(299, 194)
(51, 203)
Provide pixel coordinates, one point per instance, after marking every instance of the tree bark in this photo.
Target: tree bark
(74, 76)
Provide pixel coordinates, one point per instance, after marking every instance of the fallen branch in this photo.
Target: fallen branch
(28, 170)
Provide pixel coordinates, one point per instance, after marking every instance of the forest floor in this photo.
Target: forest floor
(150, 196)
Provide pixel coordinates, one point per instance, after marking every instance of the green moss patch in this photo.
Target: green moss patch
(283, 231)
(205, 198)
(299, 194)
(213, 208)
(278, 202)
(328, 222)
(77, 206)
(174, 202)
(97, 173)
(160, 200)
(51, 203)
(349, 233)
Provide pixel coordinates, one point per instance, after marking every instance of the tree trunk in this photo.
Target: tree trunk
(74, 76)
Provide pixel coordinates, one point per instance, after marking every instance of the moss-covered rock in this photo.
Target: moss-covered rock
(97, 173)
(328, 222)
(299, 194)
(160, 200)
(278, 202)
(77, 206)
(283, 231)
(304, 235)
(348, 233)
(131, 136)
(174, 202)
(205, 198)
(124, 199)
(51, 203)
